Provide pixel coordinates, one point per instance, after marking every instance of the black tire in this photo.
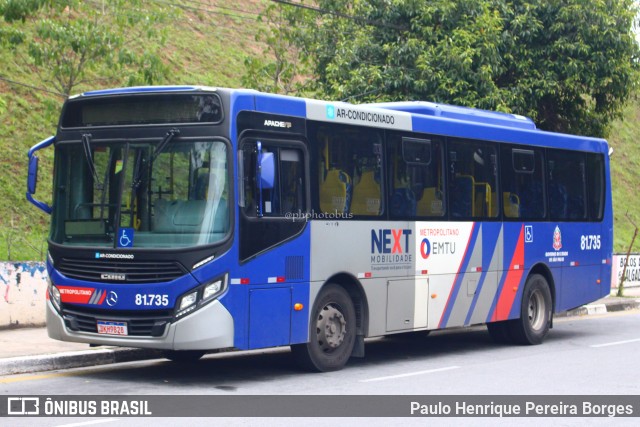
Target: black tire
(183, 356)
(535, 312)
(500, 332)
(332, 332)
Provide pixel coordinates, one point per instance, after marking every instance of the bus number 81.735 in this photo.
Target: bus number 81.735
(590, 242)
(152, 299)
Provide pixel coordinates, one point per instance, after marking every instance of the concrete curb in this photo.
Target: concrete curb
(610, 307)
(110, 355)
(73, 359)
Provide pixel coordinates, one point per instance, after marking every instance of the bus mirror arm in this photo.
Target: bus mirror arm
(32, 177)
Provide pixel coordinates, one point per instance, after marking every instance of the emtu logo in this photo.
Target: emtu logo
(390, 241)
(425, 248)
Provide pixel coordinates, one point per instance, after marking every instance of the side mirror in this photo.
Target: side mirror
(265, 175)
(32, 179)
(267, 171)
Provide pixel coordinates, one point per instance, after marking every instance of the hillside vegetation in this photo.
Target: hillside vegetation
(207, 43)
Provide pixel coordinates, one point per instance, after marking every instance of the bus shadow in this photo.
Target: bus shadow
(230, 372)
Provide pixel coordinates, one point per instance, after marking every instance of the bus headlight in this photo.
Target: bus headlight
(200, 296)
(188, 300)
(54, 295)
(212, 289)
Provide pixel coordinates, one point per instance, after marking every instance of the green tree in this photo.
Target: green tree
(74, 41)
(281, 68)
(569, 64)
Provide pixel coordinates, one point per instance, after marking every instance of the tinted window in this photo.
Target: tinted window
(272, 198)
(595, 185)
(416, 177)
(348, 161)
(522, 183)
(566, 185)
(286, 193)
(472, 168)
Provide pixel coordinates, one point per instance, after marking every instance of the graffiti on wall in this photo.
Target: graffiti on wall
(22, 293)
(632, 272)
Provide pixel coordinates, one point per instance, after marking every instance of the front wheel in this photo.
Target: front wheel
(332, 332)
(535, 312)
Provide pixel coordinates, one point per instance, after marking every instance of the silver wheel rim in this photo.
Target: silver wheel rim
(331, 328)
(536, 310)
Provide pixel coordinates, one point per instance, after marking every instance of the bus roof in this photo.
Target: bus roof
(459, 113)
(143, 89)
(417, 116)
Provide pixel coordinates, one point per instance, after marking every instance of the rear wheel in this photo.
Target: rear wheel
(183, 356)
(535, 312)
(332, 332)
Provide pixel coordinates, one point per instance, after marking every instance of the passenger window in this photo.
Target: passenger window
(522, 180)
(349, 167)
(595, 185)
(416, 176)
(566, 185)
(472, 169)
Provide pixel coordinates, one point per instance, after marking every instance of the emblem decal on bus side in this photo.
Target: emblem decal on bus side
(558, 255)
(557, 239)
(390, 249)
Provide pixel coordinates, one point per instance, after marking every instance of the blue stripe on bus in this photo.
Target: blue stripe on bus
(490, 234)
(464, 266)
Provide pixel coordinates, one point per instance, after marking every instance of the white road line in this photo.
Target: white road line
(88, 423)
(614, 343)
(411, 374)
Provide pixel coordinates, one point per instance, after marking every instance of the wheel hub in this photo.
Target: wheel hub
(536, 310)
(331, 327)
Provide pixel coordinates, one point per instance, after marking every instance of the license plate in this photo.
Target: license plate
(108, 327)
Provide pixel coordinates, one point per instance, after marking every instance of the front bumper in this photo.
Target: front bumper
(209, 328)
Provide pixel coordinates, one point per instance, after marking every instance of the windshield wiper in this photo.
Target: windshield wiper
(86, 145)
(163, 144)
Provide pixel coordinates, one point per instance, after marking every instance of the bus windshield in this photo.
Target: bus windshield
(140, 195)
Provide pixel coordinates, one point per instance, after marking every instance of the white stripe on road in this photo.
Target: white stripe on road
(614, 343)
(88, 423)
(411, 374)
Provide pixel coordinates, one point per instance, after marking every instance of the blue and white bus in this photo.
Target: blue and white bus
(188, 219)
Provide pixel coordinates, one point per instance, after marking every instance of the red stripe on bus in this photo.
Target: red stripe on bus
(75, 295)
(511, 282)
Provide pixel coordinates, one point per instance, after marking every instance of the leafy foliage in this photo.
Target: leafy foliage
(568, 64)
(280, 67)
(73, 40)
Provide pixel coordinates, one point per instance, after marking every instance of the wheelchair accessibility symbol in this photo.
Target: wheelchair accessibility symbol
(125, 238)
(528, 233)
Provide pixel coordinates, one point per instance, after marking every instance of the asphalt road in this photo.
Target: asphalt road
(581, 356)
